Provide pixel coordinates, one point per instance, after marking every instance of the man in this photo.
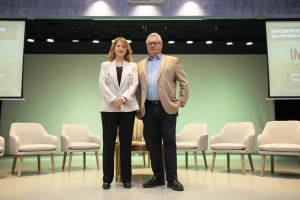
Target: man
(156, 92)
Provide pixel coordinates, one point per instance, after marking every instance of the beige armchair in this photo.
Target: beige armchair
(2, 143)
(78, 138)
(30, 139)
(234, 138)
(193, 137)
(279, 138)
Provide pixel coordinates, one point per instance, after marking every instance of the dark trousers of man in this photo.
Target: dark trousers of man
(110, 123)
(158, 125)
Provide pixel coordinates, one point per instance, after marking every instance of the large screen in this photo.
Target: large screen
(283, 41)
(11, 58)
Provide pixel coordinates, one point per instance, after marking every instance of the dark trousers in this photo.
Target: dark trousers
(110, 123)
(158, 126)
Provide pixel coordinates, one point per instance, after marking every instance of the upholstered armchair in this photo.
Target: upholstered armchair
(234, 138)
(193, 138)
(30, 139)
(279, 138)
(78, 138)
(2, 143)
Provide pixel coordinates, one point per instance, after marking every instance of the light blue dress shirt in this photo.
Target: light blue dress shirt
(152, 73)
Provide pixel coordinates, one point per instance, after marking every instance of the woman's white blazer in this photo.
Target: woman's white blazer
(109, 86)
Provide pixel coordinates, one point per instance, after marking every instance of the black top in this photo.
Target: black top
(119, 74)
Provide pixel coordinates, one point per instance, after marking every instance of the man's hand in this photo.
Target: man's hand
(139, 115)
(117, 102)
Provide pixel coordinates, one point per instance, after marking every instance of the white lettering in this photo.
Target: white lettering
(285, 31)
(292, 90)
(295, 74)
(2, 29)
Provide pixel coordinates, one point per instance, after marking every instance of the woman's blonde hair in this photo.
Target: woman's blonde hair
(112, 55)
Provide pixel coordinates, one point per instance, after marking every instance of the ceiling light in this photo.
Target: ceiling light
(31, 36)
(50, 35)
(95, 37)
(229, 40)
(114, 36)
(248, 40)
(189, 38)
(128, 37)
(75, 36)
(208, 39)
(171, 38)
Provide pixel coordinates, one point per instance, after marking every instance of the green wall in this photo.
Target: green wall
(60, 89)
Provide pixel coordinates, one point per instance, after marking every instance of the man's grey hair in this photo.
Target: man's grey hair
(154, 35)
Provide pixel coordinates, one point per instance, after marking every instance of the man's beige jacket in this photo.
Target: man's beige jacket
(170, 71)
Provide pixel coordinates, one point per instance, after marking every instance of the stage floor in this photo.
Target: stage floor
(86, 183)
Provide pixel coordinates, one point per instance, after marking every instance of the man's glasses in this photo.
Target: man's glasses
(152, 43)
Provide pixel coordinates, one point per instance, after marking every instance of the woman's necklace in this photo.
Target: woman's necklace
(119, 64)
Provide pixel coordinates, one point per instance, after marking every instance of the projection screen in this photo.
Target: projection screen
(283, 41)
(11, 58)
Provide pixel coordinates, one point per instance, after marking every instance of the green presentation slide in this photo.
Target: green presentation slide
(11, 58)
(283, 39)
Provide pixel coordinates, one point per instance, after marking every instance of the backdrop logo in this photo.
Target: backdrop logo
(2, 30)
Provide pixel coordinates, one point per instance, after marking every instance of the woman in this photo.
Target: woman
(118, 83)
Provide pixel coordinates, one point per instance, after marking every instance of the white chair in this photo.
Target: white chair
(30, 139)
(193, 137)
(1, 151)
(279, 138)
(78, 138)
(234, 138)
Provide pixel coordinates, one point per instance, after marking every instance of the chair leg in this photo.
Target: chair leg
(70, 161)
(228, 161)
(53, 163)
(20, 165)
(204, 158)
(186, 159)
(0, 171)
(213, 162)
(243, 164)
(97, 159)
(39, 162)
(119, 161)
(149, 162)
(195, 158)
(251, 163)
(272, 163)
(117, 164)
(163, 155)
(144, 158)
(298, 160)
(263, 165)
(84, 159)
(64, 160)
(14, 164)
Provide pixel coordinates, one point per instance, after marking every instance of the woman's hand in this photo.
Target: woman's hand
(117, 102)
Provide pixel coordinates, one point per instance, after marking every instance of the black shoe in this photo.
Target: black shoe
(175, 185)
(106, 186)
(127, 185)
(153, 182)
